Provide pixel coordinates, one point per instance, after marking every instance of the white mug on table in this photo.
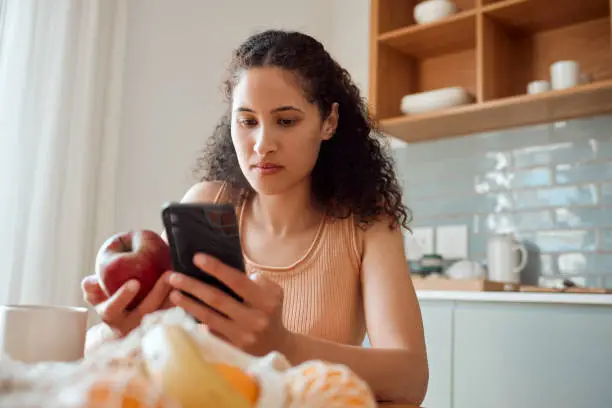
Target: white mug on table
(37, 333)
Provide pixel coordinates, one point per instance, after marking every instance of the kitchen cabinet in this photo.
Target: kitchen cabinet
(492, 49)
(512, 354)
(438, 324)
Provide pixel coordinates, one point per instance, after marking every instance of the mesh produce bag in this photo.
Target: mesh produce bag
(152, 368)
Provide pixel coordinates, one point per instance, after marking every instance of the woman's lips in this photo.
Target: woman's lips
(267, 168)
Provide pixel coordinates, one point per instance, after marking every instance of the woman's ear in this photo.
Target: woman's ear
(331, 123)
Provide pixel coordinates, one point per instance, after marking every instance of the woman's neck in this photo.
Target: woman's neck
(291, 211)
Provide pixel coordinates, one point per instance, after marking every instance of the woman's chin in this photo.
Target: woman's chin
(269, 185)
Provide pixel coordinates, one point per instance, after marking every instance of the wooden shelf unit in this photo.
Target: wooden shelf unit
(493, 49)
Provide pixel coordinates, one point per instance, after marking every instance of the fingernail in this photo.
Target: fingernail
(133, 285)
(202, 259)
(175, 278)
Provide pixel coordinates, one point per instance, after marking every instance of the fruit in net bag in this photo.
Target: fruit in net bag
(141, 254)
(239, 380)
(174, 362)
(317, 384)
(127, 389)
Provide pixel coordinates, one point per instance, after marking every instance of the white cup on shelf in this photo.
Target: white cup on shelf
(535, 87)
(565, 74)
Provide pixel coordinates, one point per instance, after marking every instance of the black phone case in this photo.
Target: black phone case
(203, 228)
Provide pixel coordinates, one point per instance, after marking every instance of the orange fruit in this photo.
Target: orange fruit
(239, 380)
(126, 390)
(328, 385)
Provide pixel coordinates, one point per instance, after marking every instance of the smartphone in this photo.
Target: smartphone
(203, 228)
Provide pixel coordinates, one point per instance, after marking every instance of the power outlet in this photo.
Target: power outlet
(423, 237)
(452, 241)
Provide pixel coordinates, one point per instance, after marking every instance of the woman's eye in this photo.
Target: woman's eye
(247, 122)
(287, 122)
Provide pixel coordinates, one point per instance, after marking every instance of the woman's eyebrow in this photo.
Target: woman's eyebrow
(279, 109)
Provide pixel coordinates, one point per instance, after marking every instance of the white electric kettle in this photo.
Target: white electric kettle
(506, 258)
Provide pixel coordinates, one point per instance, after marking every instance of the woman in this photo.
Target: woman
(321, 214)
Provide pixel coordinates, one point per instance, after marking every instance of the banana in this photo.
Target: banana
(174, 362)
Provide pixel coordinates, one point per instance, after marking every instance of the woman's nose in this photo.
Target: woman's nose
(264, 142)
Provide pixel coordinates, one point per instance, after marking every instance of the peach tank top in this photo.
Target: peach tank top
(322, 289)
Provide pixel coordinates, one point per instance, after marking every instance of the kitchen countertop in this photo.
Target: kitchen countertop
(517, 297)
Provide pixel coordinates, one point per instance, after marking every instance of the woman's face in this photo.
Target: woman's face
(276, 131)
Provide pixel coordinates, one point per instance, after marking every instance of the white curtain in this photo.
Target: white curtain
(60, 90)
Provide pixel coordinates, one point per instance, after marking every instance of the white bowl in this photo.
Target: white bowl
(435, 100)
(433, 10)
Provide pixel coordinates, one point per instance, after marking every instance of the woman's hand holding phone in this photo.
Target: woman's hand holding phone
(254, 325)
(113, 310)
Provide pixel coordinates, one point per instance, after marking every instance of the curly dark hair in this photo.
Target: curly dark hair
(354, 173)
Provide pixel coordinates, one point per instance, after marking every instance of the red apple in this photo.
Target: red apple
(142, 255)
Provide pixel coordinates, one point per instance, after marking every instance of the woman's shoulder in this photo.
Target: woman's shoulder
(361, 233)
(204, 192)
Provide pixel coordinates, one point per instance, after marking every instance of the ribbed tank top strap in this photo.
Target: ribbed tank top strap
(222, 195)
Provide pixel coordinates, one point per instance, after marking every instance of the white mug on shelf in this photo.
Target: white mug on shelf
(37, 333)
(535, 87)
(564, 74)
(503, 264)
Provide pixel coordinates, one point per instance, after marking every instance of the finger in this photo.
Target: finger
(156, 297)
(92, 291)
(220, 336)
(115, 307)
(214, 333)
(246, 317)
(167, 304)
(236, 280)
(215, 322)
(274, 293)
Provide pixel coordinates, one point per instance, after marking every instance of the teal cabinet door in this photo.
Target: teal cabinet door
(438, 324)
(510, 355)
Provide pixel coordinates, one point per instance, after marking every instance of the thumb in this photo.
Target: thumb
(259, 279)
(266, 284)
(92, 291)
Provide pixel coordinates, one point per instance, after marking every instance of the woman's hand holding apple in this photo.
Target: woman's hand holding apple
(129, 281)
(114, 311)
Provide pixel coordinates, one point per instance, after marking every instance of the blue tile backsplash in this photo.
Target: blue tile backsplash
(549, 184)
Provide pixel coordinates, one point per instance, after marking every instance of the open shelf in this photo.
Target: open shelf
(493, 49)
(399, 14)
(453, 34)
(542, 15)
(522, 55)
(584, 100)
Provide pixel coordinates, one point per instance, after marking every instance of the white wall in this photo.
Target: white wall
(349, 39)
(176, 53)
